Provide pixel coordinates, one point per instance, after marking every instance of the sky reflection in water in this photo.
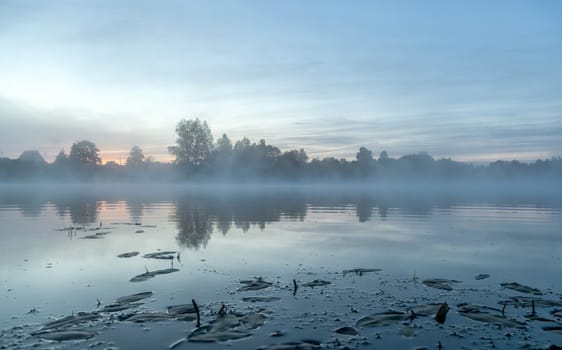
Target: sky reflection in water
(225, 238)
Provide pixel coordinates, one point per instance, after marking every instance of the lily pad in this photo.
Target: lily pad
(521, 288)
(381, 319)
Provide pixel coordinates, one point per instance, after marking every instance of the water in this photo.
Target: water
(278, 234)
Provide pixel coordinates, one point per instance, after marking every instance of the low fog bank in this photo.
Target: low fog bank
(199, 160)
(408, 171)
(466, 188)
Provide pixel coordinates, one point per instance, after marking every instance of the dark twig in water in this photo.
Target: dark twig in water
(222, 311)
(295, 287)
(197, 312)
(412, 315)
(503, 308)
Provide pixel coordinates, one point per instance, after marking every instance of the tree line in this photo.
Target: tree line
(197, 156)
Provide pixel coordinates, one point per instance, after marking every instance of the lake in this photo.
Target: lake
(222, 246)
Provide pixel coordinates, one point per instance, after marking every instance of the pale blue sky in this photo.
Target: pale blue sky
(471, 80)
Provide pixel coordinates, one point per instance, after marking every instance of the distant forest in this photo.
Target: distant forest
(200, 158)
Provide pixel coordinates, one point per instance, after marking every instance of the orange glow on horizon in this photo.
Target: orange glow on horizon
(120, 157)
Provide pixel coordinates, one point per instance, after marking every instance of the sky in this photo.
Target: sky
(471, 80)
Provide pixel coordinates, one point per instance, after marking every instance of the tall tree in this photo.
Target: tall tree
(194, 142)
(85, 152)
(136, 156)
(224, 146)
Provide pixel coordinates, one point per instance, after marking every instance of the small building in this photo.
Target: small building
(32, 157)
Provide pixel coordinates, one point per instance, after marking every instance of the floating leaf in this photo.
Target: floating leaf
(303, 345)
(260, 299)
(167, 255)
(184, 312)
(407, 331)
(482, 314)
(316, 283)
(425, 310)
(482, 276)
(148, 317)
(346, 331)
(555, 329)
(440, 283)
(255, 284)
(381, 319)
(521, 301)
(494, 319)
(253, 321)
(521, 288)
(134, 297)
(66, 335)
(128, 255)
(72, 320)
(360, 271)
(151, 274)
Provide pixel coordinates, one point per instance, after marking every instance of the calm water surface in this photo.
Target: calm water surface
(224, 236)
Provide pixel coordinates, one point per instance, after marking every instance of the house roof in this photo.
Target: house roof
(32, 156)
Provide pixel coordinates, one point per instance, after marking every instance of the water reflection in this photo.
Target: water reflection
(194, 224)
(197, 215)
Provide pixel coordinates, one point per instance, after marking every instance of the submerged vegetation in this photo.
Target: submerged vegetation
(198, 157)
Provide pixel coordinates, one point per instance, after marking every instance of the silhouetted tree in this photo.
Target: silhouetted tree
(383, 157)
(364, 156)
(194, 143)
(136, 156)
(61, 158)
(84, 152)
(365, 161)
(224, 146)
